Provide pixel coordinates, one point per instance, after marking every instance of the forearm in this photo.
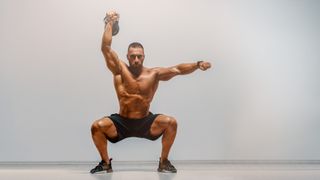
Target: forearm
(110, 56)
(107, 36)
(186, 68)
(181, 69)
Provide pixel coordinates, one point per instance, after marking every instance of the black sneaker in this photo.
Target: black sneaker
(166, 166)
(102, 166)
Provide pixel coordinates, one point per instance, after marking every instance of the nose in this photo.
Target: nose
(136, 61)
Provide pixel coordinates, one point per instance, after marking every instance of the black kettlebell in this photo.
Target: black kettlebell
(115, 28)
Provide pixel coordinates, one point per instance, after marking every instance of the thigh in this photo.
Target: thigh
(107, 126)
(160, 124)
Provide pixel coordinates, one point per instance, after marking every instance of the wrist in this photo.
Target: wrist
(107, 20)
(198, 63)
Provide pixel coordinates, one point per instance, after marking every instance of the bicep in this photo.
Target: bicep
(165, 74)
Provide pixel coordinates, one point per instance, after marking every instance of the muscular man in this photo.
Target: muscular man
(135, 86)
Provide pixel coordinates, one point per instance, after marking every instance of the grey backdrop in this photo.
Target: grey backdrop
(260, 102)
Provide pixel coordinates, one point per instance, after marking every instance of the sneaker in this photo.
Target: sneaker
(166, 166)
(102, 166)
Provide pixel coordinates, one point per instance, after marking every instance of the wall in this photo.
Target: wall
(260, 102)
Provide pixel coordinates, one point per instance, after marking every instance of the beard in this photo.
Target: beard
(136, 68)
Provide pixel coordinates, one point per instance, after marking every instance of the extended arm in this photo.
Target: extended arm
(165, 74)
(111, 58)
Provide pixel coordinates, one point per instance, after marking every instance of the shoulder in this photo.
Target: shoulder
(151, 71)
(156, 69)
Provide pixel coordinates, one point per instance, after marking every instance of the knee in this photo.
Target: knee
(95, 127)
(173, 123)
(100, 125)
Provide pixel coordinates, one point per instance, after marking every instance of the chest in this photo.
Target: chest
(145, 84)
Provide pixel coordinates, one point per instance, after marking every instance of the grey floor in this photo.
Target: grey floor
(147, 170)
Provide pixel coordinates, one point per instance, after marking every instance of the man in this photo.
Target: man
(135, 87)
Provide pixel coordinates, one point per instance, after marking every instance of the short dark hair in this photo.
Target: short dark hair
(135, 45)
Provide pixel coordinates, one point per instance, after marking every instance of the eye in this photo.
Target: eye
(132, 56)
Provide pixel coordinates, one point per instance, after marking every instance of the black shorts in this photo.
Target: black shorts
(133, 127)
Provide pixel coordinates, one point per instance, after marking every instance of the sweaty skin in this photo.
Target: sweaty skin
(135, 91)
(135, 86)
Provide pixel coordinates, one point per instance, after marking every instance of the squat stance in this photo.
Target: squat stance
(135, 86)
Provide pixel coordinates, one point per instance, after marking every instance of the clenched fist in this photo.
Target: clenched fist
(112, 16)
(204, 65)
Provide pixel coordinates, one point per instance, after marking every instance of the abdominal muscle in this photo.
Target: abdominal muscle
(135, 94)
(134, 106)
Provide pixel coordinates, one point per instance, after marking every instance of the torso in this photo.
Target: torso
(135, 93)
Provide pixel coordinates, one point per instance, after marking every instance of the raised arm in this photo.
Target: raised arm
(164, 74)
(111, 58)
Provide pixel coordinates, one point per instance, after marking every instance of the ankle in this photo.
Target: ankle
(106, 161)
(163, 160)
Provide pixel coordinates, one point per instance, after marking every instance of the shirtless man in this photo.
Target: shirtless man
(135, 86)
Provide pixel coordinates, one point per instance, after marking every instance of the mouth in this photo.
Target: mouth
(136, 63)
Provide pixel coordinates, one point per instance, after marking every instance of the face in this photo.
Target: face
(135, 57)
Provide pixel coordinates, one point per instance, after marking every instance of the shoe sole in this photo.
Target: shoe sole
(165, 171)
(103, 171)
